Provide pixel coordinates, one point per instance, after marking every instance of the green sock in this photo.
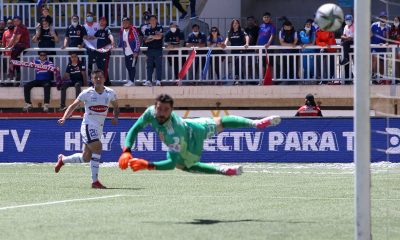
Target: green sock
(236, 122)
(202, 168)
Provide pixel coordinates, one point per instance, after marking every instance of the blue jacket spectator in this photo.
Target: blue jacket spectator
(267, 31)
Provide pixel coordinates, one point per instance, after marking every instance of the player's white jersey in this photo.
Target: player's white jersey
(96, 105)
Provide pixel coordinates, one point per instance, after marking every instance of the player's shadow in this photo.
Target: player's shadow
(213, 221)
(124, 188)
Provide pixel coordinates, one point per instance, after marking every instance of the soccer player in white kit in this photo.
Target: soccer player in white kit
(96, 100)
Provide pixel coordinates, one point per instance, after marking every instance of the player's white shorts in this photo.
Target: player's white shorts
(91, 133)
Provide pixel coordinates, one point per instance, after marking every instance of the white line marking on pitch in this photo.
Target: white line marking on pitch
(62, 201)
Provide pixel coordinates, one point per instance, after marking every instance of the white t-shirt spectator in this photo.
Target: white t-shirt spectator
(128, 49)
(91, 30)
(348, 31)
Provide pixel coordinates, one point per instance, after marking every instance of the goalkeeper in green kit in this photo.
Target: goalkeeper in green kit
(184, 138)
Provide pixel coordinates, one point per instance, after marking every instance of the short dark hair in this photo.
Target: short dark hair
(153, 16)
(165, 98)
(97, 71)
(267, 14)
(251, 17)
(195, 25)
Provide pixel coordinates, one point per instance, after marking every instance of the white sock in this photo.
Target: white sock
(94, 166)
(74, 158)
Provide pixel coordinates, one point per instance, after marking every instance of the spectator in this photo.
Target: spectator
(379, 35)
(347, 41)
(105, 42)
(394, 35)
(326, 39)
(130, 43)
(153, 39)
(174, 39)
(178, 6)
(307, 39)
(252, 30)
(46, 37)
(237, 37)
(266, 37)
(288, 38)
(2, 30)
(310, 108)
(144, 25)
(19, 42)
(266, 31)
(91, 28)
(74, 34)
(216, 40)
(74, 76)
(43, 79)
(46, 16)
(197, 39)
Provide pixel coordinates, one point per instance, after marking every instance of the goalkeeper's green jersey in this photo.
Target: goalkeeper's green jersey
(183, 137)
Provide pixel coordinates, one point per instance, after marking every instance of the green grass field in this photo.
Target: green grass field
(269, 201)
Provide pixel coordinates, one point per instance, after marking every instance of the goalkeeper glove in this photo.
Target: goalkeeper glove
(140, 164)
(124, 159)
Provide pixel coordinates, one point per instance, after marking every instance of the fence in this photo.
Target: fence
(113, 11)
(233, 65)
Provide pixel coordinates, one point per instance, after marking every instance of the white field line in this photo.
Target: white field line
(58, 202)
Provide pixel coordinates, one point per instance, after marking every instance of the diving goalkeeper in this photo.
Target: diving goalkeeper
(184, 138)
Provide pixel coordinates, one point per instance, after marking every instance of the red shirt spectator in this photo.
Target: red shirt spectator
(325, 39)
(7, 38)
(24, 41)
(394, 33)
(310, 109)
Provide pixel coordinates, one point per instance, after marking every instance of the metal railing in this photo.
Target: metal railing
(113, 11)
(232, 65)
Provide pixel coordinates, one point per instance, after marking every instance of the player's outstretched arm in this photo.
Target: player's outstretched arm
(71, 108)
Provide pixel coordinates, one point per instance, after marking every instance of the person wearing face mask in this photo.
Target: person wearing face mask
(74, 34)
(288, 38)
(307, 39)
(91, 27)
(153, 39)
(347, 41)
(129, 41)
(394, 35)
(379, 35)
(173, 39)
(46, 37)
(104, 42)
(197, 39)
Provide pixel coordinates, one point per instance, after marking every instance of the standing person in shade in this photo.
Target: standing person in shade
(91, 27)
(7, 36)
(394, 35)
(74, 76)
(174, 38)
(46, 37)
(43, 79)
(288, 38)
(18, 43)
(153, 39)
(347, 40)
(197, 39)
(266, 36)
(74, 34)
(326, 39)
(379, 35)
(309, 109)
(144, 25)
(307, 39)
(129, 41)
(96, 100)
(105, 42)
(237, 37)
(46, 16)
(216, 40)
(178, 6)
(252, 30)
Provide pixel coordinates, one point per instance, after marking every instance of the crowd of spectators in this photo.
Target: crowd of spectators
(98, 40)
